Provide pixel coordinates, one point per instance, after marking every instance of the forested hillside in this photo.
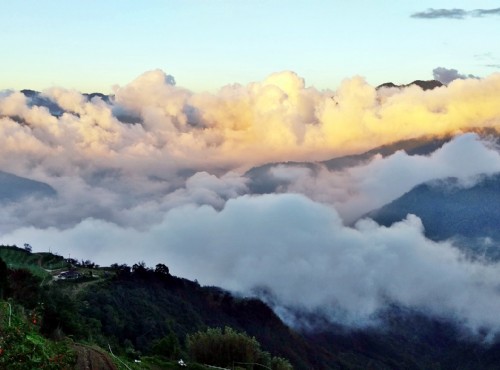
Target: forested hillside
(146, 314)
(139, 311)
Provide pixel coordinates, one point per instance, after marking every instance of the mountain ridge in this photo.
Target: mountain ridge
(423, 84)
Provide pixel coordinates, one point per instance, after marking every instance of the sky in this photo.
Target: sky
(159, 172)
(205, 44)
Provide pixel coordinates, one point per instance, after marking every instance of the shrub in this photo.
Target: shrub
(227, 347)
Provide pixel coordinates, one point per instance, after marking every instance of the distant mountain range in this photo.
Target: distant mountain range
(36, 98)
(262, 181)
(40, 100)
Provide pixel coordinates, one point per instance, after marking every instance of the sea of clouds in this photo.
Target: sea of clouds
(158, 174)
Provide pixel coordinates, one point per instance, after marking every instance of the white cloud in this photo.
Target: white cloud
(301, 252)
(360, 189)
(168, 187)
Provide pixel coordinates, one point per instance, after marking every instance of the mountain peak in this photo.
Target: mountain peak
(423, 84)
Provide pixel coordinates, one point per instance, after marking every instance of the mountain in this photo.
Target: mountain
(13, 188)
(423, 84)
(134, 308)
(419, 146)
(449, 209)
(262, 181)
(103, 97)
(35, 98)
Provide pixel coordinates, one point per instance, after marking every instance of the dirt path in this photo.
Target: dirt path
(91, 358)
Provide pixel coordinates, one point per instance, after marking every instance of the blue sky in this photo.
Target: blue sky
(92, 45)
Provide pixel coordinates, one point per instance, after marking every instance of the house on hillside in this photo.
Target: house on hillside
(69, 275)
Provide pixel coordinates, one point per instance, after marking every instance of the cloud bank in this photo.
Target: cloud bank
(157, 173)
(356, 190)
(300, 251)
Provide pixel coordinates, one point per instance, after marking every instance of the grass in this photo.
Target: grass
(36, 263)
(23, 347)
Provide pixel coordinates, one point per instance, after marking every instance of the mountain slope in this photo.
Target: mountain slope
(262, 181)
(131, 309)
(13, 188)
(449, 209)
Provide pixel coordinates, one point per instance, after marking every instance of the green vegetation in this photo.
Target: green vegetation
(143, 314)
(36, 263)
(23, 347)
(227, 348)
(146, 314)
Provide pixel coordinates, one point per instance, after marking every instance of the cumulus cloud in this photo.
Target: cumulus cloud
(156, 173)
(130, 173)
(446, 75)
(171, 130)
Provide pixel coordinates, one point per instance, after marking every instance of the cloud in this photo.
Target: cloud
(488, 59)
(167, 184)
(485, 12)
(299, 251)
(172, 129)
(446, 75)
(130, 173)
(455, 13)
(193, 148)
(356, 190)
(441, 13)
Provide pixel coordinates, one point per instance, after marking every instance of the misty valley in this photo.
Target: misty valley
(265, 225)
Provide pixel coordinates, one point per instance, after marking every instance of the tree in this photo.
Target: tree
(27, 247)
(87, 264)
(3, 278)
(280, 363)
(24, 287)
(222, 347)
(139, 268)
(122, 270)
(168, 346)
(162, 269)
